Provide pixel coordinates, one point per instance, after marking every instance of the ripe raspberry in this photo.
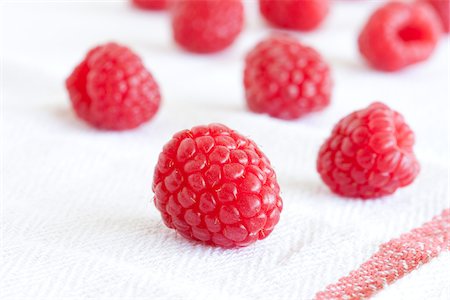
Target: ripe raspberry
(442, 7)
(214, 185)
(295, 14)
(285, 79)
(206, 26)
(150, 4)
(111, 89)
(399, 34)
(369, 154)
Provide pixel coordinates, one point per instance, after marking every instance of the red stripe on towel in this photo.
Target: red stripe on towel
(395, 259)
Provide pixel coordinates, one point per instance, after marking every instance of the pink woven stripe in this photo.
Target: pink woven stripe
(394, 259)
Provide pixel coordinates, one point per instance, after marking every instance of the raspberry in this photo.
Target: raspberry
(398, 35)
(286, 79)
(150, 4)
(214, 185)
(111, 89)
(442, 7)
(295, 14)
(369, 154)
(206, 26)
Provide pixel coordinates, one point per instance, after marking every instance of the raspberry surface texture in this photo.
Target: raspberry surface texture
(442, 7)
(399, 34)
(369, 154)
(286, 79)
(111, 89)
(205, 26)
(214, 185)
(295, 14)
(150, 4)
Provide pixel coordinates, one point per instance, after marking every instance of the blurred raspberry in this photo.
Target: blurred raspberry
(399, 34)
(150, 4)
(111, 89)
(369, 154)
(286, 79)
(442, 7)
(295, 14)
(214, 185)
(206, 26)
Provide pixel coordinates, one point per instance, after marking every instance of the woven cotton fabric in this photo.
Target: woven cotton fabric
(77, 214)
(393, 260)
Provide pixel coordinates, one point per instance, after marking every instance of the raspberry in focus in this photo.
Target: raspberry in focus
(442, 7)
(399, 34)
(206, 26)
(214, 185)
(286, 79)
(369, 154)
(150, 4)
(111, 89)
(295, 14)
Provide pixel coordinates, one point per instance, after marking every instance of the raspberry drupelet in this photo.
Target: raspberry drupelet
(295, 14)
(111, 89)
(214, 185)
(286, 79)
(206, 26)
(399, 34)
(369, 154)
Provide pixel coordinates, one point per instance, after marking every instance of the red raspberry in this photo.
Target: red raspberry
(399, 34)
(111, 89)
(442, 7)
(150, 4)
(206, 26)
(286, 79)
(214, 185)
(369, 154)
(295, 14)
